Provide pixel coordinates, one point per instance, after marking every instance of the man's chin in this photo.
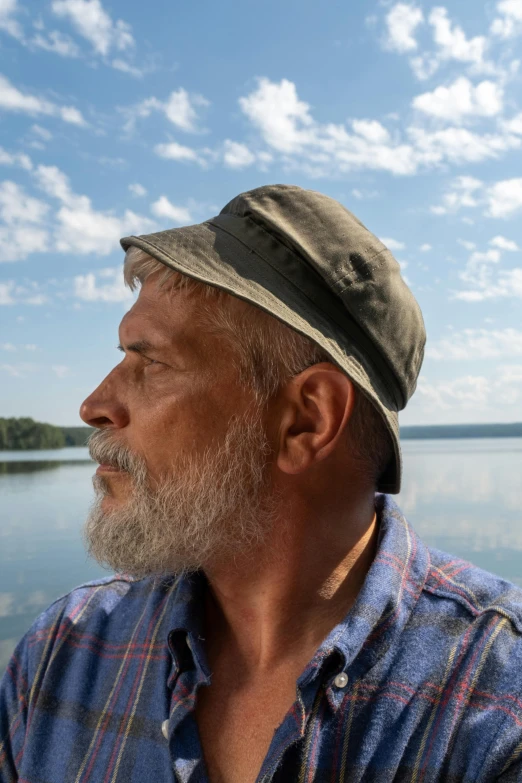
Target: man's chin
(110, 502)
(112, 488)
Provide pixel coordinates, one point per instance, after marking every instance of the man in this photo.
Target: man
(276, 620)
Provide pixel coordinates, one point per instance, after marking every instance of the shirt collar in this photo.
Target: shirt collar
(186, 636)
(385, 602)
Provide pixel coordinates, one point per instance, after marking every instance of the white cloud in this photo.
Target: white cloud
(469, 391)
(459, 145)
(401, 23)
(56, 42)
(236, 155)
(393, 244)
(8, 347)
(509, 22)
(465, 243)
(360, 195)
(60, 370)
(514, 125)
(504, 244)
(29, 294)
(54, 182)
(137, 190)
(125, 67)
(78, 227)
(424, 66)
(425, 248)
(464, 191)
(284, 120)
(105, 286)
(502, 199)
(12, 370)
(461, 99)
(174, 151)
(93, 23)
(286, 125)
(6, 291)
(477, 344)
(451, 40)
(22, 230)
(163, 208)
(72, 115)
(372, 131)
(467, 395)
(486, 279)
(16, 207)
(43, 133)
(505, 198)
(14, 100)
(8, 23)
(180, 109)
(15, 159)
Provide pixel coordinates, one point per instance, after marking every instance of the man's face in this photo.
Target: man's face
(182, 446)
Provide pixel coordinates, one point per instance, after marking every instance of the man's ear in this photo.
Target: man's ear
(316, 406)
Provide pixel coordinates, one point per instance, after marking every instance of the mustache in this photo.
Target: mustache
(106, 450)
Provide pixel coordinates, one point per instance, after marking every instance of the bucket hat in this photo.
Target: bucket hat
(307, 260)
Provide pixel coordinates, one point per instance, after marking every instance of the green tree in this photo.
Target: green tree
(25, 433)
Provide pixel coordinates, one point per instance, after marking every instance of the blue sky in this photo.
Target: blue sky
(121, 118)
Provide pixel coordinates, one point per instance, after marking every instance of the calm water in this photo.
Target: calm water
(464, 496)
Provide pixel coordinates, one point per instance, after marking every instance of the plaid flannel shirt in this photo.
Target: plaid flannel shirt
(103, 686)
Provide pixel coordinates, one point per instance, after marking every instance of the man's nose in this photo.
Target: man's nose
(104, 407)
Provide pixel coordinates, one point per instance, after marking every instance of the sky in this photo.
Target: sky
(121, 118)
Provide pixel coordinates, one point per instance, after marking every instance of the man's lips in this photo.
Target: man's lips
(105, 468)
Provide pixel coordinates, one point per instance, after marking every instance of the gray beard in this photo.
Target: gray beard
(211, 507)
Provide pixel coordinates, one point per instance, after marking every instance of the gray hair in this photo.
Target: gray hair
(267, 352)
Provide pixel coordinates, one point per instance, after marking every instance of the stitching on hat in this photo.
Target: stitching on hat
(375, 260)
(309, 209)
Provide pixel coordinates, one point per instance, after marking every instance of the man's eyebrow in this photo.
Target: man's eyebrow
(140, 346)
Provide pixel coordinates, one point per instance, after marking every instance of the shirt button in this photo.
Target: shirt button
(165, 729)
(341, 681)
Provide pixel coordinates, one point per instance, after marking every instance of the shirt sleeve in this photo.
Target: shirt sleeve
(13, 713)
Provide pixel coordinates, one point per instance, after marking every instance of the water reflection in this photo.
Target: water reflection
(43, 507)
(466, 497)
(68, 454)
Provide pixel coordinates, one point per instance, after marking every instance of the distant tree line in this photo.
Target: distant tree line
(25, 433)
(444, 431)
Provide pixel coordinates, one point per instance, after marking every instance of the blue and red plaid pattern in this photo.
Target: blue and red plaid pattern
(432, 650)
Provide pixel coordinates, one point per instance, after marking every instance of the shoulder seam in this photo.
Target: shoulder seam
(474, 610)
(86, 585)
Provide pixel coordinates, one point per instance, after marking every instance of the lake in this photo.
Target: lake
(463, 496)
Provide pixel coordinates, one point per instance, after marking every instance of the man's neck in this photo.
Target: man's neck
(276, 609)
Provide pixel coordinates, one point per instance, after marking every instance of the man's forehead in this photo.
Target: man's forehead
(160, 317)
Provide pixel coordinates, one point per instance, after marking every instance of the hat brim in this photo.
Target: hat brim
(213, 256)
